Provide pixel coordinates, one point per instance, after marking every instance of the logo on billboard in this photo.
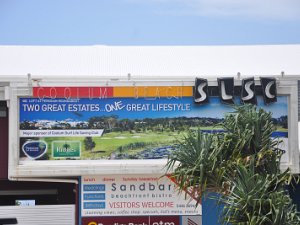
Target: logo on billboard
(94, 223)
(201, 91)
(269, 90)
(191, 220)
(226, 89)
(66, 149)
(248, 94)
(34, 149)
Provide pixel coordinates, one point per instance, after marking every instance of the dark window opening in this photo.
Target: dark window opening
(41, 192)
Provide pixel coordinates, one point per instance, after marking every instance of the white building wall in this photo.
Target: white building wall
(40, 214)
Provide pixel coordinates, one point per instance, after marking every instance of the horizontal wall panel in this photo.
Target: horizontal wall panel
(40, 214)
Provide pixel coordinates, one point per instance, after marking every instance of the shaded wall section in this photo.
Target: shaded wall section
(294, 190)
(3, 141)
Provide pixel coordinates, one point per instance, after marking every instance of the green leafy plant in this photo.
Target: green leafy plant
(257, 198)
(242, 165)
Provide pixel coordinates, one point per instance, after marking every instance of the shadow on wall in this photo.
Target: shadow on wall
(294, 190)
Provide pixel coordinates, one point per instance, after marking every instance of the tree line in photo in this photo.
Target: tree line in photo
(114, 124)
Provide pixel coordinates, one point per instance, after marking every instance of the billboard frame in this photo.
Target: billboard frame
(72, 168)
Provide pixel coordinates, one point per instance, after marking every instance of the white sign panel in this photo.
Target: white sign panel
(142, 195)
(61, 133)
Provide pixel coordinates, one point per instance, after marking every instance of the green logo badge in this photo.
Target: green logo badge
(66, 149)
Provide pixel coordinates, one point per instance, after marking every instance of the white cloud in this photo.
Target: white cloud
(272, 9)
(287, 9)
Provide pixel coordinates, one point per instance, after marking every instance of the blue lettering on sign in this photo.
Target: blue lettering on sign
(94, 187)
(34, 149)
(100, 196)
(94, 205)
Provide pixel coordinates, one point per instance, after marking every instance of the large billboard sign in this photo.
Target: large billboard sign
(80, 130)
(134, 198)
(110, 129)
(55, 126)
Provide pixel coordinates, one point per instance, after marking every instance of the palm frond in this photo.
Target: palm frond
(242, 165)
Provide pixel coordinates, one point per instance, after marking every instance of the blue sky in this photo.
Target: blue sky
(149, 22)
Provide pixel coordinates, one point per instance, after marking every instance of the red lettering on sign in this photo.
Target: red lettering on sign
(73, 92)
